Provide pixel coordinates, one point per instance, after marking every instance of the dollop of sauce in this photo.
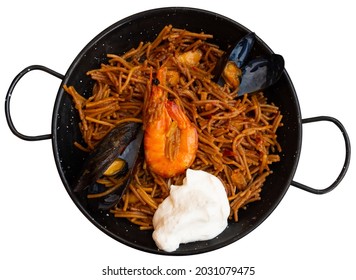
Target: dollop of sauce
(195, 211)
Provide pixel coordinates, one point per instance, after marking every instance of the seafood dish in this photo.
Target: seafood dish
(177, 103)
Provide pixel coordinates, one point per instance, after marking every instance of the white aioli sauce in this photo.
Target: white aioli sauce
(195, 211)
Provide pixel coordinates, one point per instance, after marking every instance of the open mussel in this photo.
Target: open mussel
(114, 157)
(236, 54)
(248, 76)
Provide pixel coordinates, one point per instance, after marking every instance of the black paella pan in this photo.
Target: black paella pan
(126, 34)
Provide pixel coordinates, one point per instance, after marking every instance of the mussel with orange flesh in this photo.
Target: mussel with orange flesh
(236, 54)
(115, 156)
(248, 76)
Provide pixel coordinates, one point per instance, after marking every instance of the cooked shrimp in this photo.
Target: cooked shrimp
(170, 140)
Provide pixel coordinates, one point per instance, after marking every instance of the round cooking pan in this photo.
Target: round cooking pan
(126, 34)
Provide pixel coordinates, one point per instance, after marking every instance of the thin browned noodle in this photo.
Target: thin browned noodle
(237, 136)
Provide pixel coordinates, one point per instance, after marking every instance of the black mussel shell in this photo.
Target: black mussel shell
(261, 73)
(110, 148)
(237, 53)
(241, 51)
(109, 197)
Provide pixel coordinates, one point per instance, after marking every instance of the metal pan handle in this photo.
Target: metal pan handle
(346, 162)
(8, 97)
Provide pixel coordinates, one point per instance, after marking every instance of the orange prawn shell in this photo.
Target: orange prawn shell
(155, 141)
(157, 129)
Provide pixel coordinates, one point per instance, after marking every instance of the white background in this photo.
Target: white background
(44, 236)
